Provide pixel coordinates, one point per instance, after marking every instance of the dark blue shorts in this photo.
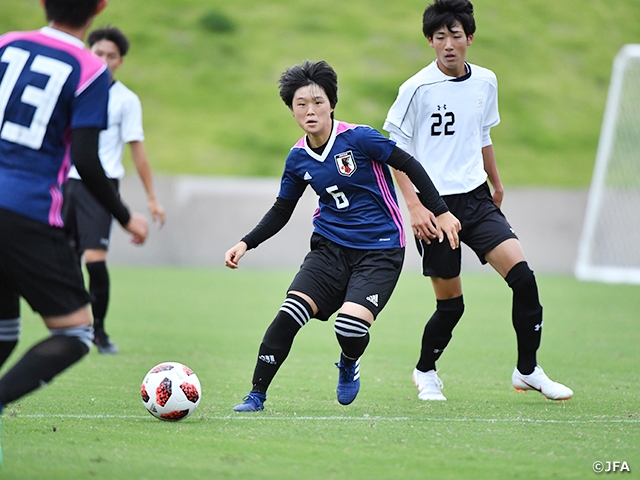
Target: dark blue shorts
(484, 227)
(87, 221)
(332, 275)
(38, 263)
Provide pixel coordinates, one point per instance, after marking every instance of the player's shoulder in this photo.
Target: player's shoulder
(120, 89)
(483, 74)
(429, 75)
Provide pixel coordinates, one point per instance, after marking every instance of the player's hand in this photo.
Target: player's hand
(423, 223)
(157, 212)
(449, 226)
(497, 196)
(138, 228)
(234, 254)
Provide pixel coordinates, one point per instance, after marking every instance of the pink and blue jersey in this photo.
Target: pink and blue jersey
(357, 204)
(50, 84)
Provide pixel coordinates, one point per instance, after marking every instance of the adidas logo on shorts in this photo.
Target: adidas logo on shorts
(373, 299)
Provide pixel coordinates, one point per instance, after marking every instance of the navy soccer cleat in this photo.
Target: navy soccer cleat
(348, 381)
(104, 344)
(254, 402)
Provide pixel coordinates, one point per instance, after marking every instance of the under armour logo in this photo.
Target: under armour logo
(538, 327)
(443, 107)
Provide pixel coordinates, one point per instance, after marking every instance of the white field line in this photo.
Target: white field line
(365, 418)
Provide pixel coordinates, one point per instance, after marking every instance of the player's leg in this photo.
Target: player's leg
(509, 261)
(46, 272)
(70, 340)
(304, 301)
(352, 332)
(99, 289)
(373, 278)
(442, 265)
(295, 312)
(93, 233)
(9, 319)
(436, 336)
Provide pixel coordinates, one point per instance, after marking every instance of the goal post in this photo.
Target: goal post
(609, 248)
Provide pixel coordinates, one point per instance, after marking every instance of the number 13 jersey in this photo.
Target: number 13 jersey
(444, 122)
(50, 84)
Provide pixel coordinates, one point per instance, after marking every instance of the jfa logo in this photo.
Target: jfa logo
(607, 467)
(346, 163)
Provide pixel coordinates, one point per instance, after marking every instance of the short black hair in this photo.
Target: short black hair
(309, 73)
(447, 13)
(112, 34)
(72, 13)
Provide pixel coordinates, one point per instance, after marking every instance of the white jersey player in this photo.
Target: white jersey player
(87, 221)
(443, 116)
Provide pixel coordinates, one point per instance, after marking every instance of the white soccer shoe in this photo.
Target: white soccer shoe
(539, 381)
(429, 385)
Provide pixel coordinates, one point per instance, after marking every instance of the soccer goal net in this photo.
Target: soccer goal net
(609, 249)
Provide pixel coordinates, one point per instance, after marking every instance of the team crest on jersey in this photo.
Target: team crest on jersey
(346, 163)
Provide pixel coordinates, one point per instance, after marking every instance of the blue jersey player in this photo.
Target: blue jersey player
(53, 104)
(357, 246)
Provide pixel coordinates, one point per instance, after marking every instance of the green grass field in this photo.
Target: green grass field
(90, 422)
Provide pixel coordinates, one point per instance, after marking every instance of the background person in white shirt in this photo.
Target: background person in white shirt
(443, 116)
(87, 220)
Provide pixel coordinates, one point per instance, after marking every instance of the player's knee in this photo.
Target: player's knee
(82, 333)
(521, 277)
(525, 289)
(10, 329)
(352, 334)
(451, 309)
(350, 326)
(294, 314)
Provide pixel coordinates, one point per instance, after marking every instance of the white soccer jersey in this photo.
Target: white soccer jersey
(444, 122)
(125, 125)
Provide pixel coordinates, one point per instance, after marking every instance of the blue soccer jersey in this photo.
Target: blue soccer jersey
(50, 84)
(357, 204)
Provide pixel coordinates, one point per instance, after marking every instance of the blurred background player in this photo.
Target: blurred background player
(357, 246)
(53, 104)
(443, 116)
(86, 219)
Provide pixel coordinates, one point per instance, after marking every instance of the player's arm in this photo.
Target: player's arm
(272, 222)
(84, 152)
(430, 216)
(423, 221)
(491, 167)
(140, 160)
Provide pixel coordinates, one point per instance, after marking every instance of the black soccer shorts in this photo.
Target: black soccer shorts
(484, 227)
(38, 263)
(332, 275)
(87, 221)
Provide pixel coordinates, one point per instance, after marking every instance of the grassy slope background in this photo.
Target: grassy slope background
(210, 94)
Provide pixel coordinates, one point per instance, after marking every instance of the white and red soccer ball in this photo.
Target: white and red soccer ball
(171, 391)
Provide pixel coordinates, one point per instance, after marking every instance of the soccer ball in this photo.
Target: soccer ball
(171, 391)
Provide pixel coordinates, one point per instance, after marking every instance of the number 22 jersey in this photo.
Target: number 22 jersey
(444, 122)
(357, 204)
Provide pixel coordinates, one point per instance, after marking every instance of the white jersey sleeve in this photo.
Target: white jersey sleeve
(124, 126)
